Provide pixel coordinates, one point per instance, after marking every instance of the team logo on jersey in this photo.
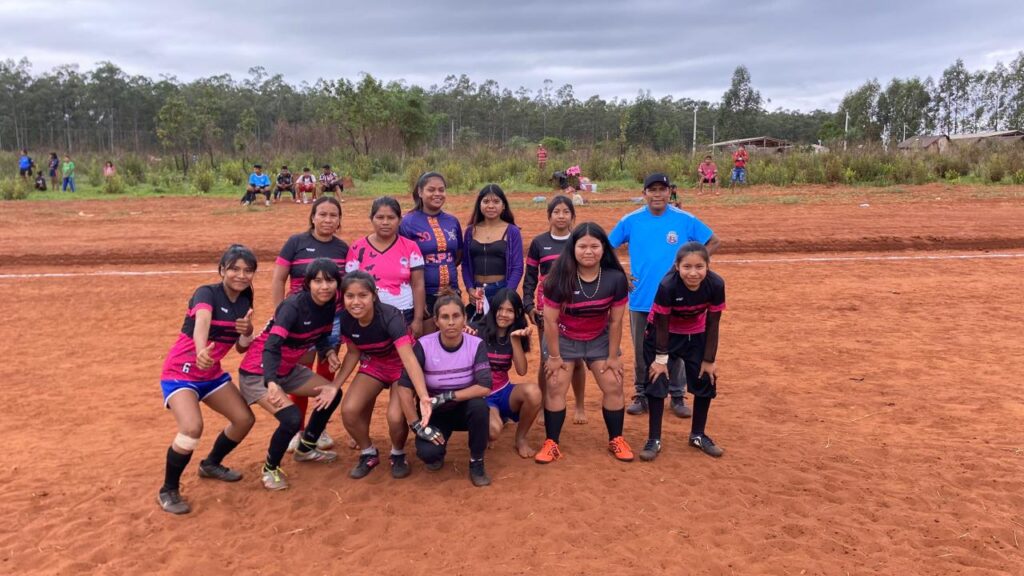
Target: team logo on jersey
(451, 235)
(672, 237)
(223, 309)
(310, 249)
(547, 247)
(404, 262)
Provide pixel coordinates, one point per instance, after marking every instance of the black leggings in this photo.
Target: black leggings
(472, 415)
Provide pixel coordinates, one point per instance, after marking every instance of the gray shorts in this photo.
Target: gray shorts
(253, 387)
(588, 351)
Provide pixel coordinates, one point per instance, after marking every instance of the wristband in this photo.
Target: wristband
(712, 361)
(661, 359)
(550, 357)
(245, 341)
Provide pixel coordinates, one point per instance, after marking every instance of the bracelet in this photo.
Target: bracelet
(550, 357)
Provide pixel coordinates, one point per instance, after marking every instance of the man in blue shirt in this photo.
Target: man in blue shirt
(25, 164)
(654, 233)
(259, 183)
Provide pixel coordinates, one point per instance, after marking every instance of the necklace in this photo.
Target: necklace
(584, 292)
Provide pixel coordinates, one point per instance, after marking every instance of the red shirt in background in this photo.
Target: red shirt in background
(739, 158)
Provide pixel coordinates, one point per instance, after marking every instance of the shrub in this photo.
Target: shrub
(233, 172)
(203, 180)
(114, 185)
(554, 144)
(15, 188)
(133, 170)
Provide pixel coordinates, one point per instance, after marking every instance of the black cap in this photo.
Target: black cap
(656, 178)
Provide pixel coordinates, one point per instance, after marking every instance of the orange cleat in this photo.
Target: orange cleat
(548, 453)
(618, 447)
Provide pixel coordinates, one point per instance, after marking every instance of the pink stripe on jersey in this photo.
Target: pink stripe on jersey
(280, 331)
(499, 379)
(588, 320)
(181, 361)
(282, 262)
(198, 307)
(404, 341)
(230, 323)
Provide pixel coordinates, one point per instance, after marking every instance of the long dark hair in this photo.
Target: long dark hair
(488, 190)
(420, 183)
(489, 327)
(560, 281)
(234, 253)
(317, 203)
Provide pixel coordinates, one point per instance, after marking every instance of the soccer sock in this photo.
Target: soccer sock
(397, 452)
(655, 410)
(222, 446)
(553, 422)
(317, 422)
(176, 463)
(288, 426)
(700, 415)
(614, 420)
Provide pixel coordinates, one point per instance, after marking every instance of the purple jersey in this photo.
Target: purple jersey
(444, 369)
(301, 249)
(181, 360)
(584, 314)
(687, 309)
(298, 324)
(439, 238)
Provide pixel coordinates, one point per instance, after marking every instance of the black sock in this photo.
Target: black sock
(222, 446)
(553, 422)
(614, 420)
(176, 463)
(289, 419)
(655, 411)
(700, 415)
(317, 423)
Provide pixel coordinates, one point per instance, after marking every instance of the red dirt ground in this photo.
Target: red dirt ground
(870, 409)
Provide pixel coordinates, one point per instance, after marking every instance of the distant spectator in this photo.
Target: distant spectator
(739, 166)
(259, 183)
(40, 181)
(673, 196)
(285, 183)
(108, 169)
(563, 180)
(25, 164)
(307, 186)
(707, 173)
(329, 182)
(68, 172)
(542, 157)
(54, 167)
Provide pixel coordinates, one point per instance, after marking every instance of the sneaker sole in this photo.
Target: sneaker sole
(203, 474)
(165, 509)
(648, 458)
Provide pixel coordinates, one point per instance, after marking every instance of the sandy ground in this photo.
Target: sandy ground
(870, 407)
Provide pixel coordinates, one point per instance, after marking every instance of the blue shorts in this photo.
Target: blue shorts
(501, 399)
(200, 389)
(739, 175)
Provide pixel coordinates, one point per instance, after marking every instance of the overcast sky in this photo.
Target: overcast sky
(801, 54)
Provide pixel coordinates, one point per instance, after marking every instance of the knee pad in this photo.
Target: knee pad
(187, 443)
(290, 419)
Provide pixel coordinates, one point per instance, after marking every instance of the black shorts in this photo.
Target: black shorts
(711, 180)
(335, 187)
(24, 171)
(685, 348)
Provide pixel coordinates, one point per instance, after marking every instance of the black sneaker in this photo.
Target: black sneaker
(679, 407)
(651, 449)
(706, 445)
(367, 462)
(639, 405)
(171, 501)
(399, 466)
(218, 472)
(435, 465)
(477, 474)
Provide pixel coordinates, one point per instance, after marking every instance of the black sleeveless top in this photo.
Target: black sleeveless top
(489, 259)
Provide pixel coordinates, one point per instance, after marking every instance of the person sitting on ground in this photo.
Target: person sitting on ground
(331, 182)
(707, 173)
(284, 184)
(259, 183)
(306, 186)
(563, 180)
(40, 181)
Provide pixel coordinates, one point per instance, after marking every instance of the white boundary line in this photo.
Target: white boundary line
(809, 259)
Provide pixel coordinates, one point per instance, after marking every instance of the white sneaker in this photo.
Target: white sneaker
(268, 203)
(325, 442)
(294, 442)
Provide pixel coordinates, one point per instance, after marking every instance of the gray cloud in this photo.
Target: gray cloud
(802, 54)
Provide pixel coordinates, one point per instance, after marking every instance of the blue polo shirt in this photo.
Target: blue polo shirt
(653, 243)
(259, 180)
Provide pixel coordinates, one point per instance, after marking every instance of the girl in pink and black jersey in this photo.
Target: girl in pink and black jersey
(379, 342)
(320, 241)
(585, 297)
(219, 317)
(458, 381)
(271, 369)
(507, 335)
(683, 327)
(544, 250)
(394, 261)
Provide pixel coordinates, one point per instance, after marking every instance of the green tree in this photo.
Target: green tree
(741, 105)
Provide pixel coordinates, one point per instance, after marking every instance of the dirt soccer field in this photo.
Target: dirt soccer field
(870, 404)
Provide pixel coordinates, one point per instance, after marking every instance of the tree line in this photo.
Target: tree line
(107, 110)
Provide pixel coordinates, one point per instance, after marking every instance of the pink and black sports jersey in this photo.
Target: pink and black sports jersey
(181, 360)
(687, 309)
(391, 268)
(584, 316)
(298, 324)
(544, 250)
(499, 355)
(301, 249)
(382, 337)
